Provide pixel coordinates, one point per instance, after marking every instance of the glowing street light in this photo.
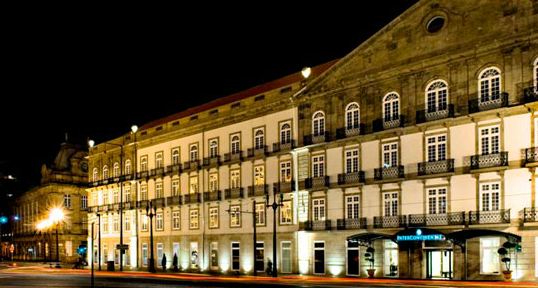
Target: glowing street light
(56, 216)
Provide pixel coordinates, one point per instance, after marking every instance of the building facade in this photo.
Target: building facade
(63, 186)
(416, 148)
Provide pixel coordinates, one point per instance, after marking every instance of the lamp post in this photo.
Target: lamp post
(150, 212)
(275, 205)
(99, 240)
(56, 216)
(253, 212)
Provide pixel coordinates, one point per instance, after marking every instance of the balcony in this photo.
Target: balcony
(156, 172)
(424, 220)
(212, 161)
(129, 205)
(530, 215)
(530, 94)
(257, 151)
(435, 113)
(317, 138)
(388, 173)
(284, 187)
(317, 182)
(173, 169)
(531, 155)
(390, 221)
(352, 178)
(351, 223)
(286, 146)
(142, 174)
(233, 157)
(489, 217)
(381, 124)
(191, 165)
(173, 200)
(234, 193)
(477, 105)
(212, 196)
(257, 190)
(345, 132)
(436, 167)
(489, 160)
(191, 198)
(318, 225)
(159, 202)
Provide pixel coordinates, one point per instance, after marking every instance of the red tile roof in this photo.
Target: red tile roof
(278, 83)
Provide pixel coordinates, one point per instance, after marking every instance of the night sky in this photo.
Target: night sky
(95, 74)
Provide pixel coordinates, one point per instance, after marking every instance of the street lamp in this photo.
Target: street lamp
(253, 212)
(91, 143)
(150, 212)
(56, 216)
(3, 220)
(99, 241)
(275, 206)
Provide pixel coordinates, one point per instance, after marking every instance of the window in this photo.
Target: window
(67, 201)
(213, 182)
(115, 196)
(352, 161)
(436, 148)
(105, 197)
(489, 196)
(286, 213)
(193, 152)
(489, 84)
(352, 207)
(105, 224)
(489, 258)
(319, 257)
(318, 124)
(235, 216)
(159, 189)
(391, 107)
(175, 187)
(235, 178)
(213, 148)
(259, 175)
(160, 248)
(214, 217)
(176, 224)
(285, 171)
(285, 250)
(95, 173)
(143, 191)
(259, 139)
(352, 116)
(105, 172)
(193, 219)
(285, 133)
(318, 166)
(116, 223)
(145, 254)
(437, 96)
(390, 155)
(116, 170)
(214, 255)
(235, 144)
(235, 256)
(536, 79)
(390, 204)
(127, 192)
(193, 184)
(318, 209)
(159, 160)
(145, 220)
(260, 258)
(436, 200)
(489, 140)
(175, 156)
(127, 167)
(260, 214)
(159, 223)
(144, 163)
(127, 223)
(84, 201)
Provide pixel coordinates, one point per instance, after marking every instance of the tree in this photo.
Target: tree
(505, 253)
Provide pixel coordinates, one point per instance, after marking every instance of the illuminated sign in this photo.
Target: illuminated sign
(419, 237)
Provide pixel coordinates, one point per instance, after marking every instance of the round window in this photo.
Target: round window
(435, 24)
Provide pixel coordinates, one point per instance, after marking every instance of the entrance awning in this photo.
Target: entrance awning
(365, 239)
(459, 237)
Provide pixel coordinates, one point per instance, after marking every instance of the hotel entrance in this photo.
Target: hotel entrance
(439, 264)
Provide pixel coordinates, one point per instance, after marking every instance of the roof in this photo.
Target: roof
(256, 90)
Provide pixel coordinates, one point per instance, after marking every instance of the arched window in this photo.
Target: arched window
(194, 152)
(127, 166)
(285, 133)
(352, 116)
(437, 96)
(95, 174)
(213, 148)
(536, 75)
(116, 170)
(235, 144)
(318, 124)
(105, 172)
(391, 107)
(489, 84)
(258, 139)
(175, 156)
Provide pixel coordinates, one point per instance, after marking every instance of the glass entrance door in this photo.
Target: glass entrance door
(439, 264)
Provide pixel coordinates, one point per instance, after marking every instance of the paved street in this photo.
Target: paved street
(43, 276)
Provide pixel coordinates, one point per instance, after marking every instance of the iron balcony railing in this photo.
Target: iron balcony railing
(489, 217)
(212, 161)
(173, 200)
(489, 160)
(393, 121)
(351, 223)
(191, 165)
(257, 151)
(435, 113)
(423, 220)
(233, 156)
(317, 225)
(283, 145)
(159, 202)
(142, 174)
(386, 173)
(317, 138)
(530, 215)
(390, 221)
(530, 94)
(212, 196)
(317, 182)
(436, 167)
(173, 169)
(350, 131)
(494, 102)
(234, 193)
(284, 187)
(258, 190)
(191, 198)
(531, 155)
(351, 178)
(156, 172)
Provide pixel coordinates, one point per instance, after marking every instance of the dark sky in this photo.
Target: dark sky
(95, 73)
